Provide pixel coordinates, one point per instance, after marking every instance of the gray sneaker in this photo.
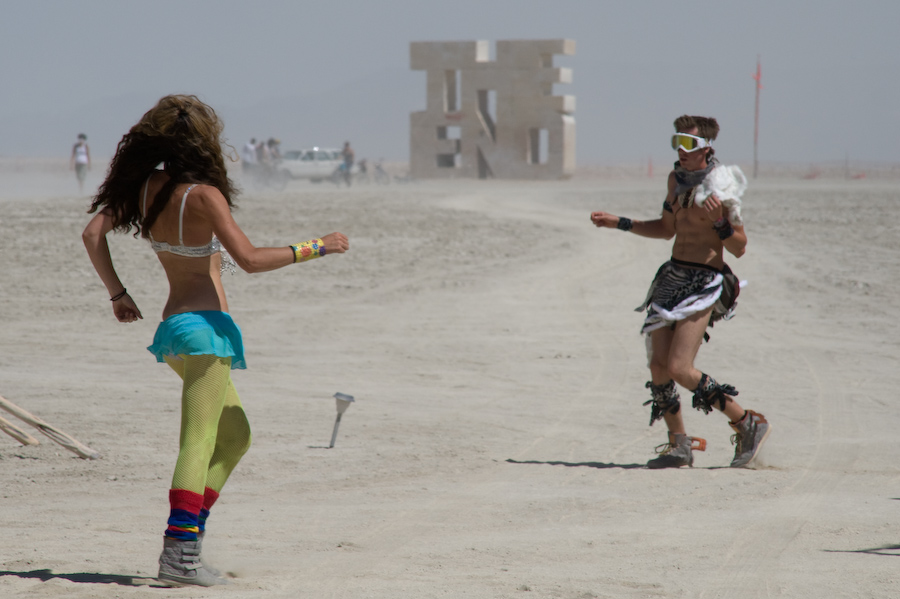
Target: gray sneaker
(211, 569)
(678, 452)
(179, 564)
(749, 435)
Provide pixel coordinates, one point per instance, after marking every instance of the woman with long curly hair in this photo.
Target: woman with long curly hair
(184, 211)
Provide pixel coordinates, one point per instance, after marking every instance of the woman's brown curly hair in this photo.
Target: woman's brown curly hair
(185, 135)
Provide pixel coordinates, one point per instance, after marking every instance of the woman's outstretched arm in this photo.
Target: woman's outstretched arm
(250, 258)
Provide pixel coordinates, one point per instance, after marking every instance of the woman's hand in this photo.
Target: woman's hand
(125, 309)
(335, 243)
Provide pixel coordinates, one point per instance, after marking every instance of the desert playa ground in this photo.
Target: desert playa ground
(497, 444)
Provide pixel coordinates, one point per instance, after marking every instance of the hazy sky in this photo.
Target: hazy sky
(317, 73)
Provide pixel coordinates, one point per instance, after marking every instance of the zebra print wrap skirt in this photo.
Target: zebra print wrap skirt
(681, 289)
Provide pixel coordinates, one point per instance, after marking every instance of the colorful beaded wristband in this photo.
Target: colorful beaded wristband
(308, 250)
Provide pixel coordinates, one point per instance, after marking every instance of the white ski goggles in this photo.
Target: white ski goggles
(689, 143)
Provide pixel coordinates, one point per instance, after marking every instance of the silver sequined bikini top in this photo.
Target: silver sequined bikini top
(213, 247)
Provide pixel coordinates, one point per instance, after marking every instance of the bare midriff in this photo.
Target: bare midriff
(195, 284)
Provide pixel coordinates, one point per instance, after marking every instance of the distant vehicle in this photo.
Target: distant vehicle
(314, 164)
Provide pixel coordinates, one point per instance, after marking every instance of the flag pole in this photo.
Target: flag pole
(758, 78)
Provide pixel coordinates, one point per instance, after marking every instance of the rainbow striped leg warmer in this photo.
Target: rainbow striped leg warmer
(209, 498)
(184, 515)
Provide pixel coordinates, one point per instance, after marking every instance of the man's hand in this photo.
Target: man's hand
(713, 207)
(604, 219)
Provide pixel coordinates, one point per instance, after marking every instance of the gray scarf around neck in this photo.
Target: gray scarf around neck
(686, 179)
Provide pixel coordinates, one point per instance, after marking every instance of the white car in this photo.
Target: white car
(314, 164)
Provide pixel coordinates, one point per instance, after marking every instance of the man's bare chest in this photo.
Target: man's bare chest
(691, 218)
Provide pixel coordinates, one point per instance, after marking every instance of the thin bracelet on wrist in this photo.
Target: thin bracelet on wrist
(119, 296)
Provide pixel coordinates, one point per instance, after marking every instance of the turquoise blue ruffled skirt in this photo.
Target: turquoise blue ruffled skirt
(203, 333)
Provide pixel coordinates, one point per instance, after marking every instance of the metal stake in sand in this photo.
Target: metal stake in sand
(342, 401)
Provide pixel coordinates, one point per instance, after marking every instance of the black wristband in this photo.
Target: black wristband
(723, 228)
(624, 224)
(118, 296)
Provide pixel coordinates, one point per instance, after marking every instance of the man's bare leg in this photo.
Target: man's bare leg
(661, 343)
(666, 404)
(683, 350)
(751, 428)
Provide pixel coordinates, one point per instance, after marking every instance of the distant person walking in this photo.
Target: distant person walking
(274, 149)
(262, 153)
(80, 160)
(248, 157)
(349, 157)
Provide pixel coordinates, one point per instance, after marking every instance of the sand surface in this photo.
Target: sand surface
(497, 444)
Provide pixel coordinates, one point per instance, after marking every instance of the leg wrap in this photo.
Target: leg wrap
(708, 392)
(665, 400)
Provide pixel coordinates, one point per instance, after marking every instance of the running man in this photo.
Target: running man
(692, 291)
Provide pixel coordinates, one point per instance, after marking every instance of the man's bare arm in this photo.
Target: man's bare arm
(735, 241)
(660, 228)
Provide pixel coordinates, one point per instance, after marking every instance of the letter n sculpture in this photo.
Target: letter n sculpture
(493, 118)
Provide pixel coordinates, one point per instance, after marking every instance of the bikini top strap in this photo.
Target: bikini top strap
(181, 214)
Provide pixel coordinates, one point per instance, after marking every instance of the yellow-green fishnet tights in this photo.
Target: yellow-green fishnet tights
(215, 433)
